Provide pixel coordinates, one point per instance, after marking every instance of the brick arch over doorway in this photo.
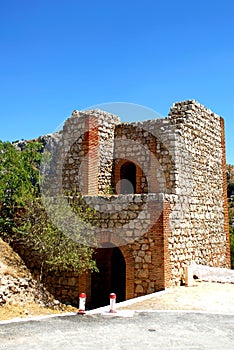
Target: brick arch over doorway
(127, 252)
(126, 169)
(111, 276)
(125, 256)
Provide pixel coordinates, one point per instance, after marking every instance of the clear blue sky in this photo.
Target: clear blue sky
(60, 55)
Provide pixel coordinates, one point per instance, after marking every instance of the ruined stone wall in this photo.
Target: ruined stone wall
(150, 145)
(94, 144)
(106, 133)
(85, 152)
(198, 219)
(179, 214)
(139, 225)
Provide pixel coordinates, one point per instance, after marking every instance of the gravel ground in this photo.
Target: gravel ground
(203, 296)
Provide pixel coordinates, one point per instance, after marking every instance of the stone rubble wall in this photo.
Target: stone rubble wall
(106, 133)
(150, 145)
(162, 147)
(198, 216)
(64, 286)
(180, 166)
(133, 222)
(113, 212)
(87, 136)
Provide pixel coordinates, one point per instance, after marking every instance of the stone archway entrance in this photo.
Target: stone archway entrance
(111, 277)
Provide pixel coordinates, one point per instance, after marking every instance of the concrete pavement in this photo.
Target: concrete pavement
(145, 330)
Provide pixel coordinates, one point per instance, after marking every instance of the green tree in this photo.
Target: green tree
(57, 250)
(18, 181)
(230, 189)
(24, 218)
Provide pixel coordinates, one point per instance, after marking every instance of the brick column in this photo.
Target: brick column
(166, 234)
(90, 148)
(159, 232)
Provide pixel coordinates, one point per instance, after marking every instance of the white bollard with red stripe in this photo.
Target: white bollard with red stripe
(82, 300)
(112, 303)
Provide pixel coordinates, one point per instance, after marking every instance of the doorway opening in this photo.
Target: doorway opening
(111, 277)
(128, 178)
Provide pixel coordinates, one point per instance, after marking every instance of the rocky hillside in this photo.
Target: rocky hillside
(230, 172)
(18, 290)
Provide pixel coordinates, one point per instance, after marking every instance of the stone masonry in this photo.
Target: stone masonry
(158, 189)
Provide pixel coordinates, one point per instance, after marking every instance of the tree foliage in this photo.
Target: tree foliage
(24, 218)
(230, 189)
(58, 251)
(19, 177)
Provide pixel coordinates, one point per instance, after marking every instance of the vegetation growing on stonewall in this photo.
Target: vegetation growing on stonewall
(24, 218)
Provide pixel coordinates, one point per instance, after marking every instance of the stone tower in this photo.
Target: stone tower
(159, 190)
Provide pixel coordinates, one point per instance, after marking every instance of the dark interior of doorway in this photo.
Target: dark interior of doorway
(111, 277)
(128, 173)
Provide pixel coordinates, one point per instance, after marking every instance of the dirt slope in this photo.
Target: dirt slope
(20, 294)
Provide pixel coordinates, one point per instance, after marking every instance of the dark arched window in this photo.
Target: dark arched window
(128, 178)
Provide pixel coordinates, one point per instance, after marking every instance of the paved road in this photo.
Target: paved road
(152, 330)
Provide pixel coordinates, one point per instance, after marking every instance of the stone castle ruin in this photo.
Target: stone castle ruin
(158, 188)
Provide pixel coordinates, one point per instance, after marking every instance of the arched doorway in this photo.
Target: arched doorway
(111, 277)
(118, 274)
(128, 178)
